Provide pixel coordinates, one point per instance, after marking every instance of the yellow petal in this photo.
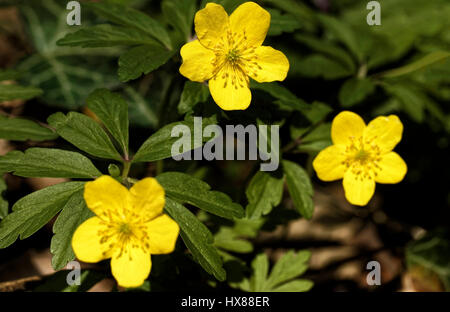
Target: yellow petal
(230, 92)
(393, 169)
(148, 198)
(211, 25)
(346, 127)
(272, 65)
(131, 267)
(251, 20)
(358, 190)
(328, 164)
(197, 62)
(105, 195)
(385, 132)
(86, 241)
(163, 233)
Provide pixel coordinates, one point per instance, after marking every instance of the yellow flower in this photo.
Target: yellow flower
(128, 227)
(229, 50)
(362, 155)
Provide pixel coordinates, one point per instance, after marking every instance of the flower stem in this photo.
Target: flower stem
(126, 170)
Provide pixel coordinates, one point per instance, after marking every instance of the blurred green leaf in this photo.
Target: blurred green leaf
(318, 65)
(412, 99)
(282, 23)
(48, 162)
(193, 93)
(187, 189)
(300, 188)
(3, 202)
(112, 110)
(264, 191)
(180, 14)
(18, 129)
(226, 238)
(355, 90)
(197, 238)
(10, 92)
(84, 133)
(35, 210)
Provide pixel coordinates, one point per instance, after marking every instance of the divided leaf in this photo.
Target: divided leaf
(18, 129)
(35, 210)
(84, 133)
(198, 239)
(187, 189)
(264, 192)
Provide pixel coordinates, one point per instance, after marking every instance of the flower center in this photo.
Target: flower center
(124, 229)
(362, 158)
(233, 56)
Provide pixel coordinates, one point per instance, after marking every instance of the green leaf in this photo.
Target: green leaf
(197, 238)
(343, 33)
(48, 162)
(18, 129)
(35, 210)
(282, 23)
(260, 266)
(299, 285)
(142, 60)
(285, 98)
(317, 139)
(264, 192)
(112, 110)
(300, 188)
(106, 35)
(180, 14)
(84, 133)
(129, 17)
(412, 100)
(72, 215)
(320, 66)
(355, 90)
(289, 266)
(187, 189)
(193, 93)
(15, 92)
(227, 238)
(159, 145)
(427, 60)
(9, 74)
(3, 202)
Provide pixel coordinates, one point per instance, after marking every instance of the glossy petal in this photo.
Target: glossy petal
(197, 62)
(393, 169)
(147, 198)
(229, 95)
(105, 196)
(328, 164)
(211, 25)
(347, 126)
(385, 132)
(163, 233)
(86, 242)
(131, 266)
(358, 191)
(273, 65)
(253, 21)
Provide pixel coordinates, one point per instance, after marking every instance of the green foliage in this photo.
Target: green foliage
(193, 93)
(48, 162)
(187, 189)
(3, 202)
(13, 92)
(19, 129)
(34, 211)
(283, 276)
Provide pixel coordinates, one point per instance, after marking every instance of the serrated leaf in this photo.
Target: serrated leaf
(84, 133)
(112, 110)
(412, 100)
(281, 23)
(299, 285)
(197, 238)
(19, 129)
(264, 192)
(3, 202)
(72, 215)
(129, 17)
(226, 238)
(142, 60)
(48, 162)
(10, 92)
(187, 189)
(35, 210)
(289, 266)
(159, 145)
(193, 93)
(260, 266)
(300, 188)
(355, 90)
(180, 14)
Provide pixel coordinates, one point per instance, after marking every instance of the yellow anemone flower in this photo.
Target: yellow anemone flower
(128, 227)
(362, 155)
(229, 50)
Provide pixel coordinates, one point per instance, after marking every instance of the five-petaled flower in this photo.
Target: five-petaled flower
(229, 50)
(128, 227)
(362, 155)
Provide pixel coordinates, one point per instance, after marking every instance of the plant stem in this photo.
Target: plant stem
(126, 170)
